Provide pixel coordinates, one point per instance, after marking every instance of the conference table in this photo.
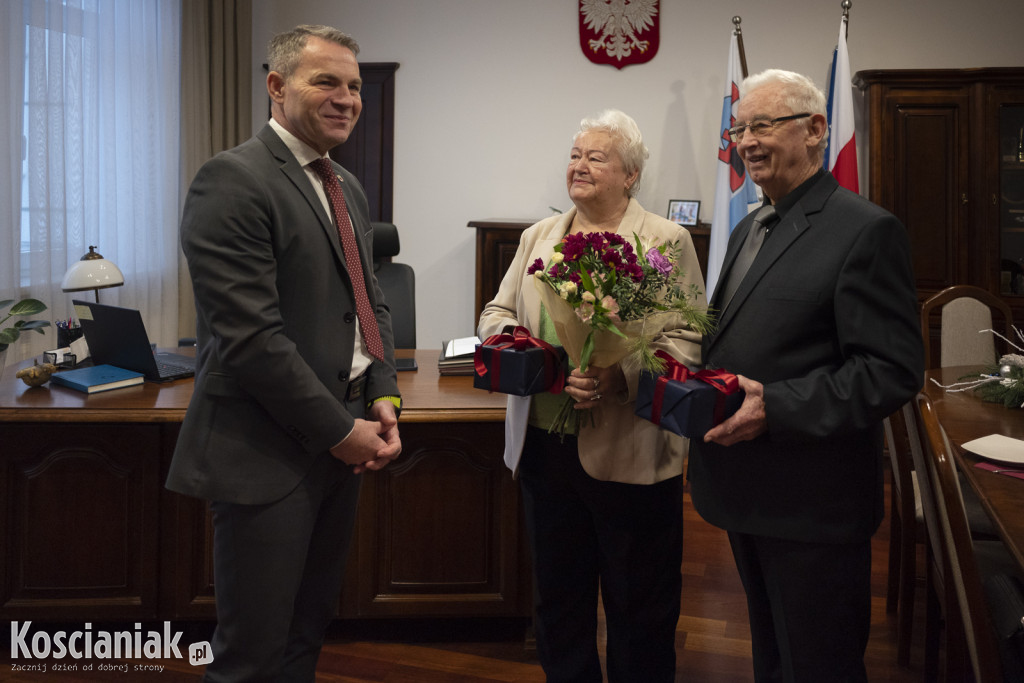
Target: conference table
(965, 417)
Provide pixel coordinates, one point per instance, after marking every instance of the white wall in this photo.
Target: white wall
(489, 93)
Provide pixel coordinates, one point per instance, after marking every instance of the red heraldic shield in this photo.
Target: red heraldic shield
(619, 32)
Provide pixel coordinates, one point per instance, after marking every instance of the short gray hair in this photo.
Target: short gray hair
(285, 49)
(799, 93)
(629, 143)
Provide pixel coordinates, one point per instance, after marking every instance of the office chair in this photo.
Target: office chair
(398, 282)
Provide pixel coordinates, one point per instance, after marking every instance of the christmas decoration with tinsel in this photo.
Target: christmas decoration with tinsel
(1002, 383)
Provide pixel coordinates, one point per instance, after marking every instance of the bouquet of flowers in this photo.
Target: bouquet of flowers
(607, 303)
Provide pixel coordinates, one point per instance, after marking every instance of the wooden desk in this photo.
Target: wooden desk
(964, 417)
(89, 532)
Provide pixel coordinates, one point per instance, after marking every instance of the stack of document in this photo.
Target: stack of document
(457, 356)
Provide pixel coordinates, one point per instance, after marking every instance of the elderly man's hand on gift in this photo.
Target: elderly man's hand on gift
(749, 422)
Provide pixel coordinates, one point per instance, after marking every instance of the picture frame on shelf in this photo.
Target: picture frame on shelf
(685, 212)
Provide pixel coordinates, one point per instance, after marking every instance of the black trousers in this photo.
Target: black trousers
(809, 606)
(277, 572)
(585, 533)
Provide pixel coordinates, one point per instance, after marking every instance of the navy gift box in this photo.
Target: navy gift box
(519, 364)
(688, 408)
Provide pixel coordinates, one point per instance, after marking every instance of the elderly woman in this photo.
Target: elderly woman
(603, 507)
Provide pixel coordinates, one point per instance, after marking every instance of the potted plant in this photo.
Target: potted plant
(10, 334)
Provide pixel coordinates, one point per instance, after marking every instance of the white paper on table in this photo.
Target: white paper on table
(997, 447)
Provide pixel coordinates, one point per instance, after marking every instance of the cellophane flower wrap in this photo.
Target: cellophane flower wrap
(609, 298)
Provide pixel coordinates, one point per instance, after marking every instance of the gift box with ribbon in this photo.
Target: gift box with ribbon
(519, 364)
(685, 402)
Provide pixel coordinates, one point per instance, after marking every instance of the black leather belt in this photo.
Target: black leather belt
(356, 388)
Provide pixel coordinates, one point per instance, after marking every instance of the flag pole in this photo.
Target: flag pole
(739, 42)
(841, 152)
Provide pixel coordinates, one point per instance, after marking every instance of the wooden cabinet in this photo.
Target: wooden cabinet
(80, 521)
(369, 152)
(496, 242)
(947, 157)
(1006, 183)
(88, 531)
(701, 243)
(186, 556)
(446, 537)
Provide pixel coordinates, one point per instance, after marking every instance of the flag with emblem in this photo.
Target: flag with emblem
(734, 191)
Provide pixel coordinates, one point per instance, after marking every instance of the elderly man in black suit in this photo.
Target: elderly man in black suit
(822, 331)
(295, 392)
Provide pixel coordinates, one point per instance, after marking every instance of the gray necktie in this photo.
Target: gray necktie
(755, 236)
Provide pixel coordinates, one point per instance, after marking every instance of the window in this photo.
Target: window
(94, 145)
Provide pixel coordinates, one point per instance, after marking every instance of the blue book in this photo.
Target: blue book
(97, 378)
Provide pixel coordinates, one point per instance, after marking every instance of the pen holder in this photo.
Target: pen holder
(65, 362)
(66, 335)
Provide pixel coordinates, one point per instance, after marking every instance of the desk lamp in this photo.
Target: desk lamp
(92, 272)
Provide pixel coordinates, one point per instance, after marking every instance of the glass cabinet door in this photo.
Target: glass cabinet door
(1011, 198)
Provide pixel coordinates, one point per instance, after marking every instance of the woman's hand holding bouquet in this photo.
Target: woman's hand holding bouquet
(606, 302)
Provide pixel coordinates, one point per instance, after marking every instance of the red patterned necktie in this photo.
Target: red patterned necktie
(336, 198)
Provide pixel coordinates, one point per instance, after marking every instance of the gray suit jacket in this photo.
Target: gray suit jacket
(827, 320)
(275, 323)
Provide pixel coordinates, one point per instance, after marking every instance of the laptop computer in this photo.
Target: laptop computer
(117, 336)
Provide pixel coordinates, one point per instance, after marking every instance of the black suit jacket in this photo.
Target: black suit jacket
(827, 320)
(275, 324)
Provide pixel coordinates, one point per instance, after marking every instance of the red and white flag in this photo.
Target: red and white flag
(841, 154)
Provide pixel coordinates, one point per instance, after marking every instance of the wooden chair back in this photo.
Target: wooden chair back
(906, 529)
(901, 459)
(950, 524)
(964, 311)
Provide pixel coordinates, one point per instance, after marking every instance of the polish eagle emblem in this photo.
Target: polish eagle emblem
(619, 32)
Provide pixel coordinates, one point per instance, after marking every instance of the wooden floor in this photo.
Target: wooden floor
(712, 638)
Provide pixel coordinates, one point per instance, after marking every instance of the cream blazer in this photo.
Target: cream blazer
(620, 447)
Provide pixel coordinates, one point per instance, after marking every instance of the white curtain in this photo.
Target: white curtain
(91, 134)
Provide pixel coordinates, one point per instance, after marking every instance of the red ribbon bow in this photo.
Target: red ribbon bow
(725, 382)
(520, 340)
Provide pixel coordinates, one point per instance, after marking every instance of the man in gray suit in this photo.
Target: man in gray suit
(295, 390)
(822, 331)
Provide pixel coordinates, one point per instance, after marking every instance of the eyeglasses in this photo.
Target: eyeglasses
(761, 128)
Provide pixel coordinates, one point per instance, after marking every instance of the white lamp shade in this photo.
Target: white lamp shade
(92, 272)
